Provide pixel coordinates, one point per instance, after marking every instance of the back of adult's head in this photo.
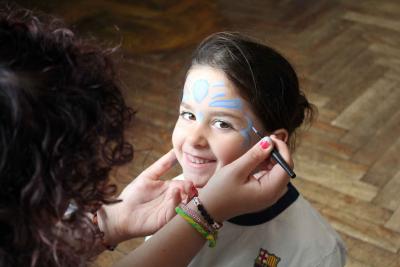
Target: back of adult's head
(62, 119)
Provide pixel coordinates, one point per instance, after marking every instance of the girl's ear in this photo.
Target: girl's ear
(282, 134)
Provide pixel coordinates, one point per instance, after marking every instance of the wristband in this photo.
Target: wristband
(211, 237)
(196, 217)
(216, 225)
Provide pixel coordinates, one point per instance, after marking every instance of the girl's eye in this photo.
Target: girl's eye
(187, 115)
(223, 125)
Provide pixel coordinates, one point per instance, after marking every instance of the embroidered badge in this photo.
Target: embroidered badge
(266, 259)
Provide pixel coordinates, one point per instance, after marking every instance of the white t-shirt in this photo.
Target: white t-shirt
(297, 237)
(291, 233)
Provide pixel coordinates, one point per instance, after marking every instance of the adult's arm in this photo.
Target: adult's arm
(147, 204)
(230, 192)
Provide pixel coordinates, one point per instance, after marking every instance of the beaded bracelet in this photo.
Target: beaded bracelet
(206, 216)
(196, 217)
(211, 237)
(101, 233)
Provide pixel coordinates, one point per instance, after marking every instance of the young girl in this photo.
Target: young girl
(233, 85)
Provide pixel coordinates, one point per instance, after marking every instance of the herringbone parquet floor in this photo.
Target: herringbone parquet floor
(347, 54)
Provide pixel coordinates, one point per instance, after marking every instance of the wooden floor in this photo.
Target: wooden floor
(347, 54)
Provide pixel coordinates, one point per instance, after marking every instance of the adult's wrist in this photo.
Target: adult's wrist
(213, 207)
(111, 234)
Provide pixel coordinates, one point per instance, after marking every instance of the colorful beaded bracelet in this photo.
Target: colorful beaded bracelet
(211, 237)
(197, 218)
(216, 225)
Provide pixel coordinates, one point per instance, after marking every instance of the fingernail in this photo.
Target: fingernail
(265, 142)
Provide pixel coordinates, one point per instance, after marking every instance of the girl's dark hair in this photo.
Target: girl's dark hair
(62, 123)
(263, 76)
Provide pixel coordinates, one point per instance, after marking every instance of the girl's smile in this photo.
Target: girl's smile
(197, 161)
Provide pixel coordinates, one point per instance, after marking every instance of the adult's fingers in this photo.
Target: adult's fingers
(184, 186)
(283, 149)
(161, 166)
(173, 198)
(245, 165)
(277, 179)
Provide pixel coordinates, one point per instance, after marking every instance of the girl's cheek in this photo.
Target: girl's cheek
(230, 151)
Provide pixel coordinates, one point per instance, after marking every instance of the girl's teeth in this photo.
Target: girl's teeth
(199, 161)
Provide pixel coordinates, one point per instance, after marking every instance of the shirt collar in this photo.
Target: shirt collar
(270, 213)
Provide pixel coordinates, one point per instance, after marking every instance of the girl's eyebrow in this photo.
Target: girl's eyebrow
(186, 105)
(219, 113)
(226, 114)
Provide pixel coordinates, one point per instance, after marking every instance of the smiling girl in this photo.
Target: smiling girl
(234, 84)
(214, 125)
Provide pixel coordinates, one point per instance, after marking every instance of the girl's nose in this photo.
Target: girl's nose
(198, 136)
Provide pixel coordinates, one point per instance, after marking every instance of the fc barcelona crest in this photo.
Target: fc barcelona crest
(266, 259)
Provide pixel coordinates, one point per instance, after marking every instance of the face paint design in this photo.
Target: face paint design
(246, 131)
(218, 84)
(218, 95)
(200, 90)
(214, 126)
(200, 116)
(185, 97)
(226, 103)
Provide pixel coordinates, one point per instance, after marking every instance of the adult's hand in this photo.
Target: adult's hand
(234, 190)
(147, 203)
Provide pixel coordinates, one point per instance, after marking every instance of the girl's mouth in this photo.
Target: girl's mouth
(195, 160)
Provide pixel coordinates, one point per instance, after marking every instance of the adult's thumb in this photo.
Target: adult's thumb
(173, 199)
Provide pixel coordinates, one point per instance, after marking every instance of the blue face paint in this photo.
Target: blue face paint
(218, 84)
(200, 116)
(229, 103)
(217, 95)
(185, 97)
(200, 90)
(246, 131)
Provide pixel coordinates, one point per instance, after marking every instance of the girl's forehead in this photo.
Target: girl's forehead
(210, 79)
(206, 71)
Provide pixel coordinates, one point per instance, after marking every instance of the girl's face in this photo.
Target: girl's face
(214, 126)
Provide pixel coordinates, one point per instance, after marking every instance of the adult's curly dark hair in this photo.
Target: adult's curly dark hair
(62, 123)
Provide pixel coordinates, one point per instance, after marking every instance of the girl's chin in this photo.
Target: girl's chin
(198, 182)
(199, 185)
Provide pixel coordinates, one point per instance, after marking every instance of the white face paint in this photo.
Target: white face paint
(214, 126)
